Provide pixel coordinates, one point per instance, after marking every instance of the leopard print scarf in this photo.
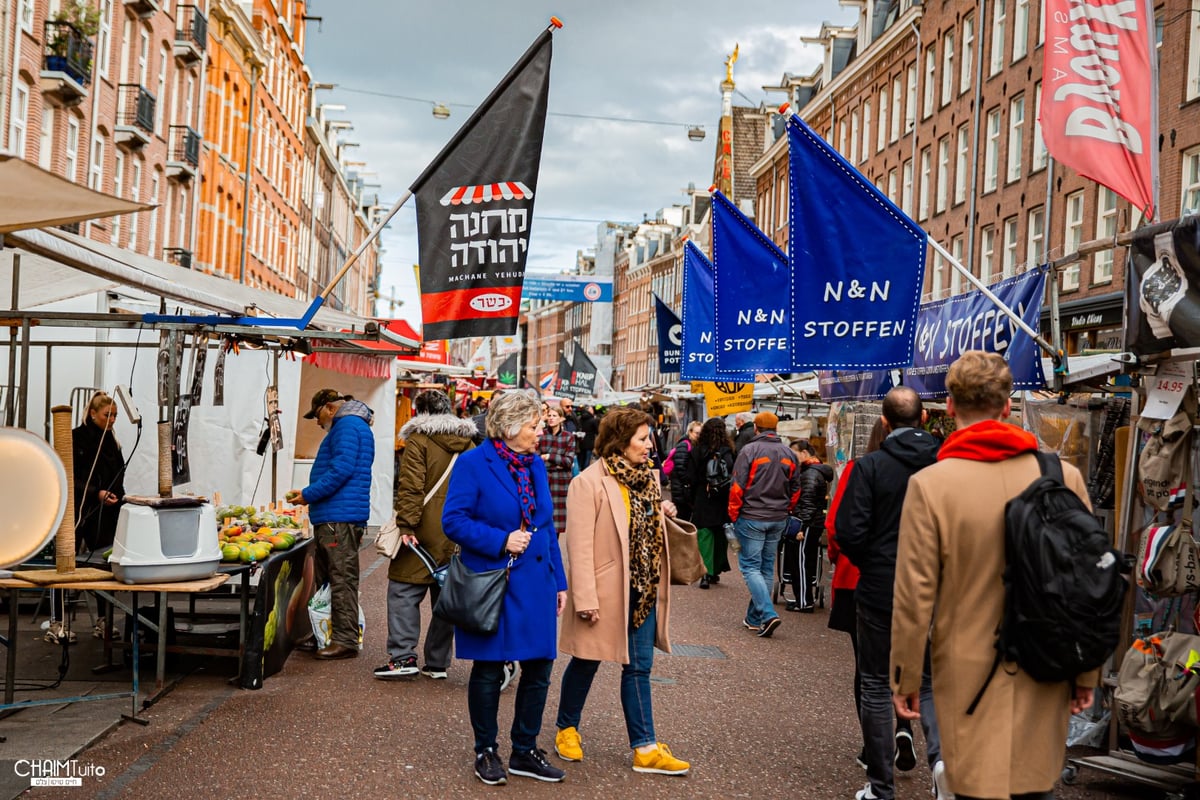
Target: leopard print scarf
(645, 532)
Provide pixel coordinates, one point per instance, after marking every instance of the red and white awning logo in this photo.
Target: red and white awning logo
(485, 192)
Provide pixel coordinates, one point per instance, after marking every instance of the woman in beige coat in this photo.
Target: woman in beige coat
(618, 574)
(948, 571)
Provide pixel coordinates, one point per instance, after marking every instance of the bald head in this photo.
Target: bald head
(902, 408)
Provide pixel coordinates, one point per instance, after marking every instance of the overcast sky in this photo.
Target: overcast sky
(647, 61)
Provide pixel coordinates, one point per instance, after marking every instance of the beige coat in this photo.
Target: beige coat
(597, 560)
(948, 572)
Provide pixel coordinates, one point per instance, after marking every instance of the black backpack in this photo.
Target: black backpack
(716, 474)
(1063, 587)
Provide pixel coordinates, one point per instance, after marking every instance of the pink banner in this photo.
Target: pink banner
(1098, 94)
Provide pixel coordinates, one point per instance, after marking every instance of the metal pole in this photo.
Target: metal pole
(1008, 312)
(11, 398)
(972, 216)
(254, 74)
(358, 251)
(22, 407)
(274, 453)
(1055, 324)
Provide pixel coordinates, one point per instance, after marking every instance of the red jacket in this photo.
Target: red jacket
(846, 574)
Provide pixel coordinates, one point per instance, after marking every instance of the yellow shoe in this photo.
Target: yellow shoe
(659, 761)
(568, 745)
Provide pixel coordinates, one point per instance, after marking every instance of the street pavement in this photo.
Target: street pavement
(757, 718)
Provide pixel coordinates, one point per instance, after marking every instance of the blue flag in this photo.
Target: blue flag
(841, 385)
(858, 263)
(751, 276)
(670, 337)
(948, 328)
(698, 361)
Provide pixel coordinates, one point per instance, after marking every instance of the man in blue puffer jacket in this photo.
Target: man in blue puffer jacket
(339, 500)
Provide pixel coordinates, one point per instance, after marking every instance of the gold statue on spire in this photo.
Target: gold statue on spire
(729, 62)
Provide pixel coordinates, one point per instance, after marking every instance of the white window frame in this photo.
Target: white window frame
(935, 275)
(956, 278)
(1192, 85)
(1189, 193)
(943, 179)
(892, 188)
(71, 170)
(135, 194)
(910, 107)
(25, 15)
(161, 92)
(1106, 228)
(967, 62)
(999, 20)
(1040, 154)
(46, 142)
(1008, 266)
(991, 152)
(152, 228)
(1016, 137)
(118, 188)
(898, 107)
(19, 120)
(930, 83)
(1020, 45)
(962, 163)
(104, 39)
(843, 137)
(947, 67)
(852, 157)
(987, 253)
(926, 179)
(1072, 236)
(882, 133)
(866, 132)
(96, 168)
(907, 190)
(1035, 236)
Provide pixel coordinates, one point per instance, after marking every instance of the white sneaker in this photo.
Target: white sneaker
(941, 789)
(866, 793)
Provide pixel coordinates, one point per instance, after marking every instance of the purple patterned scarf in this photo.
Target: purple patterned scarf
(519, 465)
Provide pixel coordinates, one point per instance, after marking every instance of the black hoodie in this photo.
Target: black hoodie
(868, 519)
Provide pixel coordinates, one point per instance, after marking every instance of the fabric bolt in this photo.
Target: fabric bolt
(760, 543)
(559, 451)
(483, 702)
(336, 563)
(404, 624)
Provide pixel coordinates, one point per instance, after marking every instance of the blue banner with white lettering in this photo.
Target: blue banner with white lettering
(698, 362)
(857, 261)
(842, 385)
(948, 328)
(670, 337)
(751, 276)
(571, 288)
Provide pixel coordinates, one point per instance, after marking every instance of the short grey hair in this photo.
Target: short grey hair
(741, 418)
(509, 412)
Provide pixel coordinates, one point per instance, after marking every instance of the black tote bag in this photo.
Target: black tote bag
(472, 600)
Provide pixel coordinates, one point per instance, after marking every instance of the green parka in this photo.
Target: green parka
(431, 440)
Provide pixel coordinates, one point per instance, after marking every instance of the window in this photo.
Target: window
(930, 76)
(1072, 236)
(910, 108)
(1040, 154)
(161, 91)
(998, 21)
(991, 152)
(1009, 266)
(1192, 89)
(20, 118)
(943, 180)
(96, 172)
(881, 138)
(987, 253)
(866, 139)
(152, 229)
(72, 149)
(956, 278)
(135, 193)
(947, 67)
(1036, 240)
(926, 179)
(893, 178)
(961, 163)
(843, 140)
(1021, 30)
(104, 38)
(25, 15)
(181, 221)
(1106, 228)
(853, 155)
(1191, 183)
(143, 60)
(907, 196)
(897, 109)
(967, 63)
(46, 143)
(1016, 138)
(935, 275)
(118, 188)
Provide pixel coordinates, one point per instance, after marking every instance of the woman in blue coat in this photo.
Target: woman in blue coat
(499, 507)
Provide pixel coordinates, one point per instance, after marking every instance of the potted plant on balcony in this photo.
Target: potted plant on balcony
(86, 22)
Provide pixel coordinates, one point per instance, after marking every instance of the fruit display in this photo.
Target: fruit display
(250, 535)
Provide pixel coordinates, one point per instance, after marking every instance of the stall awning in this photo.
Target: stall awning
(1084, 368)
(31, 197)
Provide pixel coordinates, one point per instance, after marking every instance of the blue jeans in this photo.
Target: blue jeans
(483, 702)
(635, 687)
(760, 541)
(877, 712)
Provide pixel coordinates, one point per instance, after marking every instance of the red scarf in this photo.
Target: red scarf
(990, 440)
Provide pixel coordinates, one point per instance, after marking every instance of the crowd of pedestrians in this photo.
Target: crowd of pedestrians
(575, 505)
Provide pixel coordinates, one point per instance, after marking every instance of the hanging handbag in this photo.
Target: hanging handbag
(1164, 461)
(1158, 687)
(1168, 558)
(387, 543)
(473, 601)
(683, 551)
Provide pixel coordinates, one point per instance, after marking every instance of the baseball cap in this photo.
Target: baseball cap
(766, 421)
(321, 398)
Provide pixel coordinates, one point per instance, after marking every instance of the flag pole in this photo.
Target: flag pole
(466, 128)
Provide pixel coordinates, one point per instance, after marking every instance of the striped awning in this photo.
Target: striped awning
(485, 192)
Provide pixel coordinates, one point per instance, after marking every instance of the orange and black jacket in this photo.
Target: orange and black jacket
(766, 480)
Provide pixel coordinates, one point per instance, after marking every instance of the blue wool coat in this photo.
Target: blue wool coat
(341, 473)
(481, 511)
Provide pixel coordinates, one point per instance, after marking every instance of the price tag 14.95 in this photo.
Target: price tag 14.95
(1165, 390)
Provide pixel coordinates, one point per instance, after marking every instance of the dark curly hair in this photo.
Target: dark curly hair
(617, 428)
(713, 436)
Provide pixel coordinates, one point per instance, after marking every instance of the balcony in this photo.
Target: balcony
(67, 64)
(135, 117)
(183, 155)
(178, 256)
(143, 8)
(190, 36)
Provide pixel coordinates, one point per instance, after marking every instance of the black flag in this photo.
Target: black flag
(475, 206)
(506, 373)
(583, 372)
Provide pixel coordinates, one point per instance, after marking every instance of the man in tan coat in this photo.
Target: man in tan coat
(948, 572)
